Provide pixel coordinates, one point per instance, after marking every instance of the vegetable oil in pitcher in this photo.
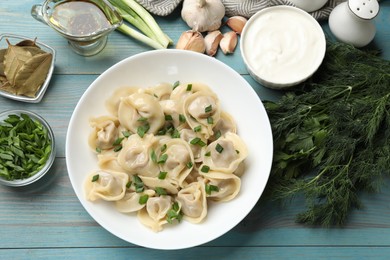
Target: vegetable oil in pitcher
(79, 18)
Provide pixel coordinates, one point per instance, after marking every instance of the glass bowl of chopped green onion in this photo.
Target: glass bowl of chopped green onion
(27, 147)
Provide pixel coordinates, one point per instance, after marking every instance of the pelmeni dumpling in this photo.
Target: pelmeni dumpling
(228, 185)
(202, 112)
(225, 124)
(161, 91)
(106, 185)
(135, 157)
(141, 110)
(109, 161)
(171, 186)
(192, 200)
(196, 141)
(225, 154)
(154, 215)
(104, 132)
(179, 159)
(112, 103)
(131, 201)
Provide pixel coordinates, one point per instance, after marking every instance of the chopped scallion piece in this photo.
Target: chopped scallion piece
(162, 175)
(153, 156)
(189, 87)
(175, 134)
(98, 150)
(163, 148)
(198, 128)
(208, 109)
(219, 148)
(118, 141)
(128, 184)
(207, 154)
(95, 178)
(189, 165)
(138, 184)
(176, 84)
(163, 158)
(143, 199)
(205, 169)
(142, 119)
(126, 133)
(210, 188)
(218, 134)
(161, 191)
(141, 130)
(210, 120)
(182, 118)
(117, 148)
(195, 140)
(168, 118)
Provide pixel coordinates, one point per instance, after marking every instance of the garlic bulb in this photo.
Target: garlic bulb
(203, 15)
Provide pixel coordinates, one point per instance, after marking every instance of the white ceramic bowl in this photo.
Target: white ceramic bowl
(237, 98)
(14, 39)
(49, 161)
(282, 46)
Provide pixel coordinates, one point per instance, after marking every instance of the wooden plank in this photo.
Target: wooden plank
(50, 207)
(223, 253)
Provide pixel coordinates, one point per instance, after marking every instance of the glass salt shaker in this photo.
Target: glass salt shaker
(352, 21)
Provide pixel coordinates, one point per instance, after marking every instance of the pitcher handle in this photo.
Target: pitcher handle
(37, 13)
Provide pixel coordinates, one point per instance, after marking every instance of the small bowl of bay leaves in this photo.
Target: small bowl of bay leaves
(27, 147)
(26, 67)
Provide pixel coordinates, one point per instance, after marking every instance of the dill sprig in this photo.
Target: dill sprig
(332, 135)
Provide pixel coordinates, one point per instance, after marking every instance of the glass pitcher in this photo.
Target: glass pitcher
(84, 23)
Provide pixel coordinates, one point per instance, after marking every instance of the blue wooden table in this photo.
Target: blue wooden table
(47, 221)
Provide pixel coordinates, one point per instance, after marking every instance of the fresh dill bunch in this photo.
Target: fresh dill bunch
(332, 135)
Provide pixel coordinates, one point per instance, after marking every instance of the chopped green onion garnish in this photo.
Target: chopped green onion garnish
(161, 191)
(198, 128)
(117, 148)
(162, 175)
(207, 154)
(118, 141)
(210, 188)
(208, 109)
(205, 169)
(176, 84)
(189, 165)
(98, 150)
(210, 120)
(138, 184)
(128, 184)
(95, 178)
(218, 134)
(142, 119)
(141, 130)
(153, 156)
(143, 199)
(189, 87)
(175, 134)
(168, 118)
(195, 140)
(174, 213)
(163, 158)
(163, 148)
(126, 133)
(182, 118)
(219, 148)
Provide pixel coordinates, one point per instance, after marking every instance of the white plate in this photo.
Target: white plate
(237, 98)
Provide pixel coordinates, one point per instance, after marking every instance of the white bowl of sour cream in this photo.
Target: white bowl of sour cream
(282, 46)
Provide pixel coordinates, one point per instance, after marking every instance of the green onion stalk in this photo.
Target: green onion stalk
(149, 32)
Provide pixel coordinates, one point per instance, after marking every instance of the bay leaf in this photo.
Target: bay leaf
(32, 74)
(7, 87)
(14, 59)
(27, 43)
(2, 54)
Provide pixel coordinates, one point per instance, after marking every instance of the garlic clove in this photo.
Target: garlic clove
(229, 42)
(212, 40)
(192, 41)
(236, 23)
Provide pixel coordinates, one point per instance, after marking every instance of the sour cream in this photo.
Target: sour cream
(282, 46)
